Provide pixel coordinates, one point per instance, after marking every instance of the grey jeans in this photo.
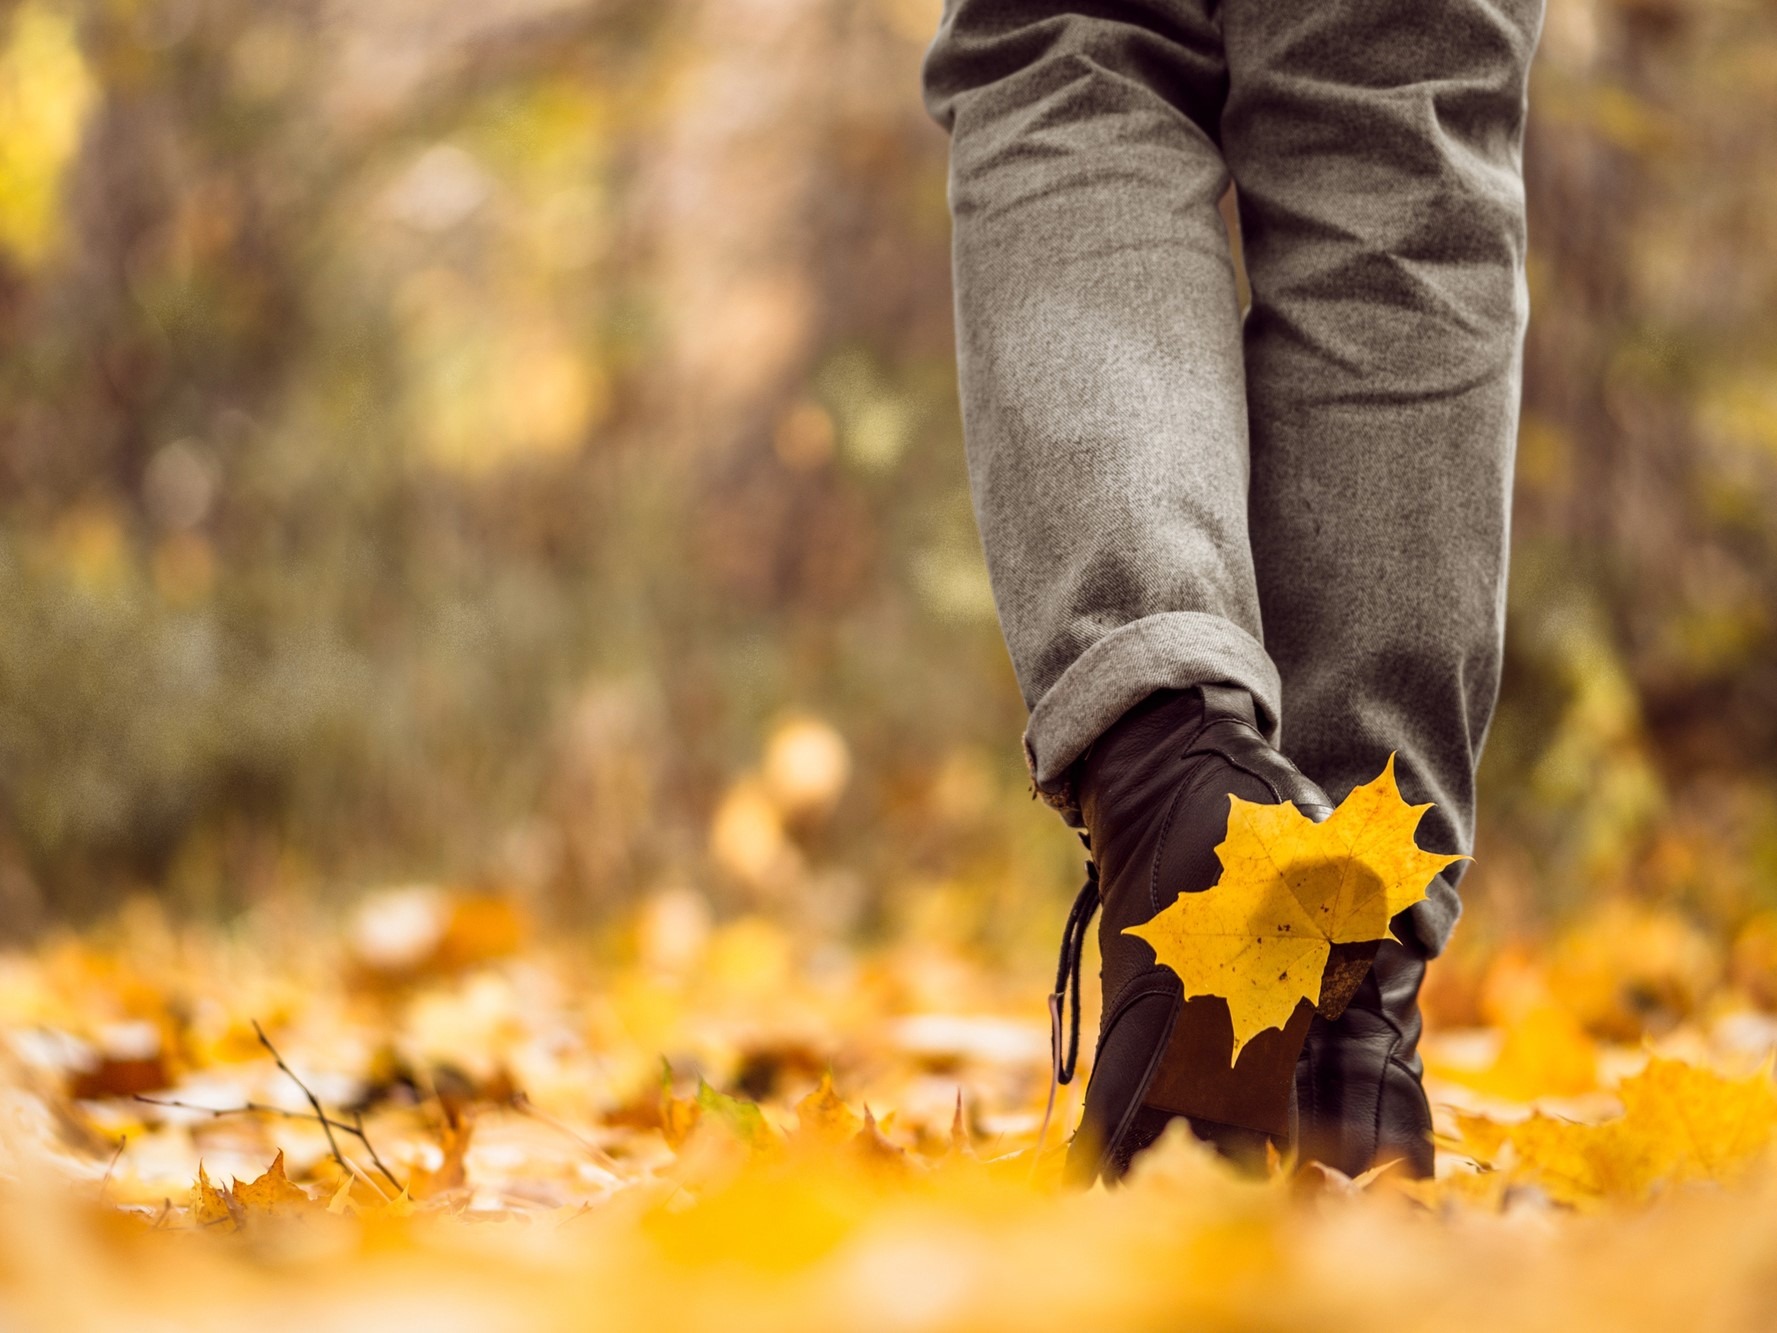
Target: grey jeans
(1312, 502)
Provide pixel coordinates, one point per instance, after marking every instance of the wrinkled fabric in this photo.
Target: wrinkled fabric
(1310, 502)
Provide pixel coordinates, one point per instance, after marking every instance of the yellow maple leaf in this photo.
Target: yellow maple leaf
(1290, 889)
(822, 1117)
(1713, 1125)
(1680, 1123)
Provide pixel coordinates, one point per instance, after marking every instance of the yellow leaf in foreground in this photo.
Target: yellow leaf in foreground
(1680, 1123)
(1290, 889)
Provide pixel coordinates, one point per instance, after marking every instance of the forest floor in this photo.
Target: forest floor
(700, 1124)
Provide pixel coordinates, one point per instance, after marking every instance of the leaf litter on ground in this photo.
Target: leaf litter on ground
(555, 1133)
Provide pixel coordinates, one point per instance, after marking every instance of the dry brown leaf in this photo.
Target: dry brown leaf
(451, 1173)
(119, 1076)
(272, 1192)
(213, 1206)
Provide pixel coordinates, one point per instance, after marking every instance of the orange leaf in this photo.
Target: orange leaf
(272, 1192)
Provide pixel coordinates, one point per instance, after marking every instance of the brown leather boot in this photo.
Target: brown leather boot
(1358, 1088)
(1153, 794)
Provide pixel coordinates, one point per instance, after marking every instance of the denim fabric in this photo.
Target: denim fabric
(1311, 503)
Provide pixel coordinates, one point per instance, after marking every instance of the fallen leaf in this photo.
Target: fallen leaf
(743, 1117)
(677, 1116)
(822, 1116)
(1545, 1053)
(399, 1206)
(1680, 1123)
(404, 935)
(272, 1192)
(962, 1146)
(875, 1149)
(112, 1076)
(212, 1206)
(451, 1173)
(480, 928)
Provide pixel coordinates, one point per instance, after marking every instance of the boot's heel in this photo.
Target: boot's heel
(1194, 1077)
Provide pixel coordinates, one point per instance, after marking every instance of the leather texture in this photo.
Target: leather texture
(1154, 797)
(1358, 1090)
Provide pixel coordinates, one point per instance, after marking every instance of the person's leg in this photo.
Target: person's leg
(1375, 146)
(1098, 342)
(1098, 345)
(1105, 413)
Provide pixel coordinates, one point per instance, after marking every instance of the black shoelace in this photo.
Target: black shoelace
(1067, 975)
(1064, 1060)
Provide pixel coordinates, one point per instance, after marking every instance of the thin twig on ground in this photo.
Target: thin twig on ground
(314, 1101)
(111, 1166)
(361, 1174)
(356, 1130)
(245, 1108)
(369, 1147)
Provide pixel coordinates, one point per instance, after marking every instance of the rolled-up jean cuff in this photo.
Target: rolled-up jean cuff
(1171, 651)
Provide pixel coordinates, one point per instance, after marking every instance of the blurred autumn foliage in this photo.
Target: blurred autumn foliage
(516, 446)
